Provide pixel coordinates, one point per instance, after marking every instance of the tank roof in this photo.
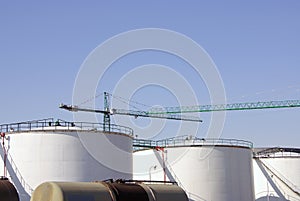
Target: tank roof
(51, 124)
(184, 141)
(272, 152)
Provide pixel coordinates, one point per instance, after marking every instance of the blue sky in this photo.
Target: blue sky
(255, 46)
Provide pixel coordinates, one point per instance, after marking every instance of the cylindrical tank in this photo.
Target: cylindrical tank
(106, 191)
(48, 150)
(277, 173)
(207, 169)
(167, 192)
(7, 191)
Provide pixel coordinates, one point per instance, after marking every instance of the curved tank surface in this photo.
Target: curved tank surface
(207, 169)
(48, 150)
(107, 191)
(277, 174)
(7, 190)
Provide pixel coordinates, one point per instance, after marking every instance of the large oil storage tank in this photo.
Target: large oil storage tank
(277, 174)
(49, 150)
(207, 169)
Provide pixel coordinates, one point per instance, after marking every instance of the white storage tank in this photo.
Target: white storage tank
(277, 174)
(48, 150)
(207, 169)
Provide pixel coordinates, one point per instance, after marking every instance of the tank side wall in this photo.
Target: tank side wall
(286, 167)
(62, 156)
(277, 177)
(218, 174)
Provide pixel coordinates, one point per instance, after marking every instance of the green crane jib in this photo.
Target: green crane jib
(226, 107)
(175, 113)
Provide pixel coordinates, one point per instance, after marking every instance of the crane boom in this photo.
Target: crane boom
(160, 116)
(73, 108)
(226, 107)
(134, 113)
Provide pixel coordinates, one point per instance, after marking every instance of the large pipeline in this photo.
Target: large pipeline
(107, 191)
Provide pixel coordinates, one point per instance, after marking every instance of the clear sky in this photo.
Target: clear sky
(255, 46)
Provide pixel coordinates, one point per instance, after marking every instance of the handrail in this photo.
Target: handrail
(51, 124)
(25, 185)
(27, 188)
(189, 141)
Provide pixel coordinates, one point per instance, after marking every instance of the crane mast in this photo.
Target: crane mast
(106, 117)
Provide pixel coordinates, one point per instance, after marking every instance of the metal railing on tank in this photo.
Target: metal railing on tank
(277, 152)
(52, 124)
(189, 141)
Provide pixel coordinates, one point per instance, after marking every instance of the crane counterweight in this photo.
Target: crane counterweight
(68, 107)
